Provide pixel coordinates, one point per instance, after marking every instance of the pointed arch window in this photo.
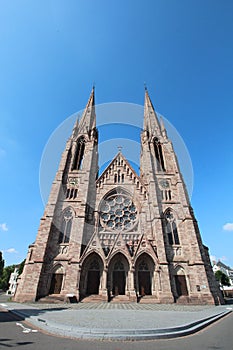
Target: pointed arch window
(159, 155)
(79, 154)
(171, 228)
(66, 225)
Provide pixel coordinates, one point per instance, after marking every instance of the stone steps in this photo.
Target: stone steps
(94, 298)
(52, 299)
(121, 299)
(148, 299)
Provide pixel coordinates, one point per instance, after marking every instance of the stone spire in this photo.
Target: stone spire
(163, 129)
(151, 122)
(88, 119)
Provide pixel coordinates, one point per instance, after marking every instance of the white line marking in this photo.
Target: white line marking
(26, 330)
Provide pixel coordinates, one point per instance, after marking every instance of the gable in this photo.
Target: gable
(119, 173)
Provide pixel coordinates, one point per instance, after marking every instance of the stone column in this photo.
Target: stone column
(78, 283)
(132, 293)
(104, 284)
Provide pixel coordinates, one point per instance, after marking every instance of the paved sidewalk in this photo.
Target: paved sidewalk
(118, 321)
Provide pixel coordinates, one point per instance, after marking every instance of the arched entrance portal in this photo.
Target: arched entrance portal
(119, 279)
(180, 283)
(91, 274)
(56, 281)
(117, 276)
(93, 277)
(144, 275)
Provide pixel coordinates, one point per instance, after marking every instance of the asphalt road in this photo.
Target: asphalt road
(217, 336)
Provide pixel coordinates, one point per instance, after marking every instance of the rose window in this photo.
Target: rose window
(118, 212)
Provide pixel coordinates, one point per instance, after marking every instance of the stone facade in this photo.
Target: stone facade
(122, 236)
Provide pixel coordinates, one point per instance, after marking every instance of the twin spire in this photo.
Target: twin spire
(88, 119)
(151, 121)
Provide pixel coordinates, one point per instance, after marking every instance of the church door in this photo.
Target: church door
(144, 282)
(144, 277)
(118, 283)
(93, 282)
(93, 277)
(181, 285)
(56, 283)
(118, 279)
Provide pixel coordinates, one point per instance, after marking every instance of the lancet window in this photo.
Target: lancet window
(66, 225)
(171, 228)
(79, 154)
(159, 155)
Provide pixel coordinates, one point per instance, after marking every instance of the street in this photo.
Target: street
(217, 336)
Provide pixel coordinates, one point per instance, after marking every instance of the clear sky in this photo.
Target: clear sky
(51, 52)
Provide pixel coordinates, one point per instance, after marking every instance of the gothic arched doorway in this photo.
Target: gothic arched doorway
(118, 272)
(180, 282)
(144, 275)
(118, 279)
(93, 277)
(56, 281)
(91, 273)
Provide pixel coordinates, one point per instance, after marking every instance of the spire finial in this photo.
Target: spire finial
(119, 148)
(145, 87)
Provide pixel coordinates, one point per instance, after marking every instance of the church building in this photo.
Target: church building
(120, 236)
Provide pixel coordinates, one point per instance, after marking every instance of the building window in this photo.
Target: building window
(79, 154)
(118, 212)
(171, 228)
(159, 155)
(66, 224)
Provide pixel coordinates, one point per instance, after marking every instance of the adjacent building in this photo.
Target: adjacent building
(228, 271)
(13, 281)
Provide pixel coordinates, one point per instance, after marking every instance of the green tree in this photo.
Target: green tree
(4, 280)
(223, 279)
(1, 265)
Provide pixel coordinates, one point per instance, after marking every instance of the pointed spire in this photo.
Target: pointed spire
(163, 129)
(151, 122)
(88, 120)
(75, 128)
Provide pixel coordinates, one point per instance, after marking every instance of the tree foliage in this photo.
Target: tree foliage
(222, 278)
(4, 280)
(5, 273)
(1, 265)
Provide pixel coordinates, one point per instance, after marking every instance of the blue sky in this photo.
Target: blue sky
(53, 51)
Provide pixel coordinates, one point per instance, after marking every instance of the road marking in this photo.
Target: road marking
(26, 330)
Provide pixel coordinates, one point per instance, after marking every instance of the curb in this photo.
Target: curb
(120, 335)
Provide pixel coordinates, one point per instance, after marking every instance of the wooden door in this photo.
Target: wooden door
(144, 282)
(118, 283)
(93, 282)
(181, 285)
(56, 283)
